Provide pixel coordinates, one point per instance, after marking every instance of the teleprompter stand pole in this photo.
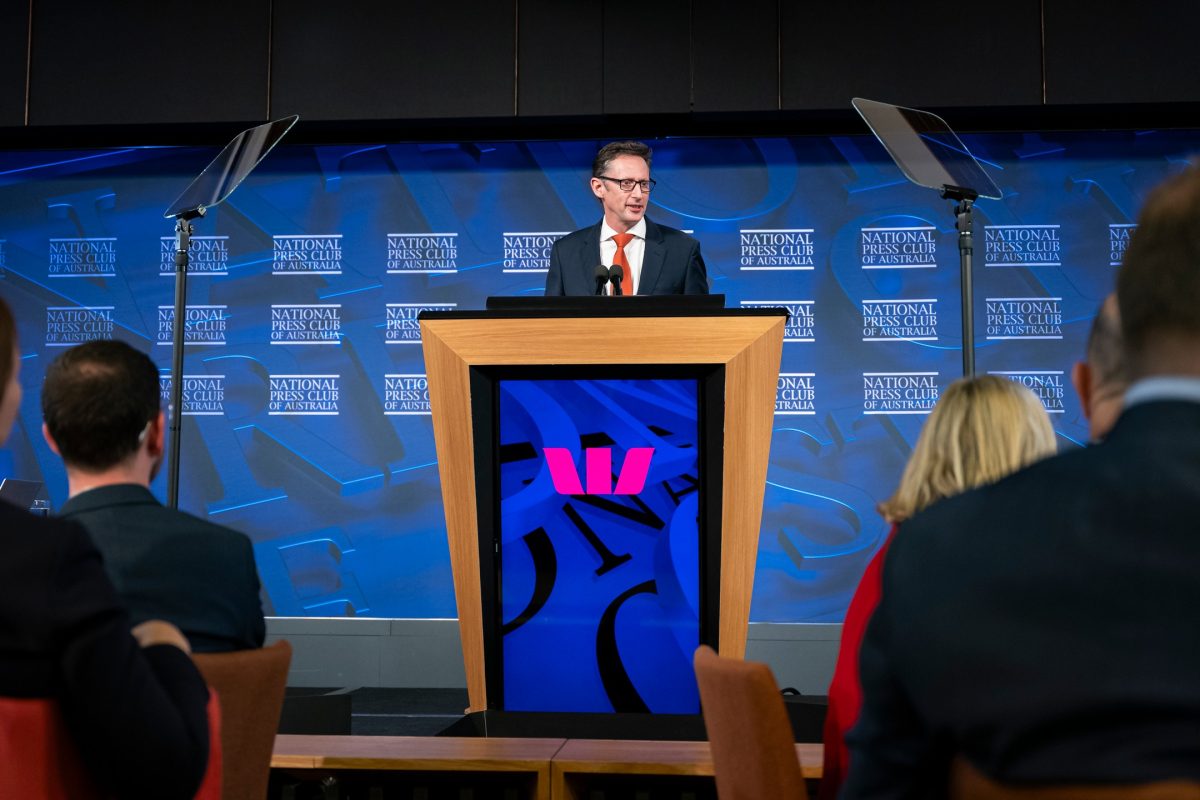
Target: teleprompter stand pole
(210, 188)
(963, 222)
(183, 241)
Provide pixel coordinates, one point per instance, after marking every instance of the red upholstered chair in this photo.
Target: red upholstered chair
(39, 759)
(210, 787)
(754, 755)
(250, 684)
(37, 756)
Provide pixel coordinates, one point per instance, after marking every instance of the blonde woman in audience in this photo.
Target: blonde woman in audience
(980, 430)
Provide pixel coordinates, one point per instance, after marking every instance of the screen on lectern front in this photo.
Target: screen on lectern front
(600, 560)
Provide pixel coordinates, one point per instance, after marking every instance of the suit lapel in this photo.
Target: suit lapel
(588, 258)
(652, 259)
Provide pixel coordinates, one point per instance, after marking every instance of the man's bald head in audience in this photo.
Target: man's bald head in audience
(1102, 379)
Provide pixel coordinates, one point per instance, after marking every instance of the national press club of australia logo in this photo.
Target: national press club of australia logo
(203, 395)
(529, 252)
(83, 257)
(1022, 246)
(304, 395)
(776, 249)
(406, 395)
(913, 247)
(1048, 384)
(203, 325)
(899, 392)
(900, 320)
(799, 326)
(67, 326)
(1118, 242)
(402, 321)
(1023, 318)
(207, 255)
(422, 253)
(796, 394)
(306, 324)
(307, 254)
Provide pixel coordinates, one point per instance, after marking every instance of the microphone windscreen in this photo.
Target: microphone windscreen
(601, 273)
(616, 272)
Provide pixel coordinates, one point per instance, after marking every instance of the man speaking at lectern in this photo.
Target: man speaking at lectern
(653, 259)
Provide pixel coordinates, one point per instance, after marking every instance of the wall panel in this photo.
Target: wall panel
(735, 56)
(148, 62)
(647, 57)
(945, 54)
(561, 51)
(386, 60)
(1110, 52)
(14, 33)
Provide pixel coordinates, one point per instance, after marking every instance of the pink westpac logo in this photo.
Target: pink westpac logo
(598, 461)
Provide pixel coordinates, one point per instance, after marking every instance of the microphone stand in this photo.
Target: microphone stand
(602, 275)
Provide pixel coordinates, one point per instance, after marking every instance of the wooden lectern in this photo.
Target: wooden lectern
(744, 345)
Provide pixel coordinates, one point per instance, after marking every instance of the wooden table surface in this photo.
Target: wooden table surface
(556, 765)
(658, 758)
(414, 753)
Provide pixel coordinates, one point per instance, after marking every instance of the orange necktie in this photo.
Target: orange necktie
(621, 240)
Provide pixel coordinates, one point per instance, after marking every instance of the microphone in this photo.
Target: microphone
(601, 278)
(616, 273)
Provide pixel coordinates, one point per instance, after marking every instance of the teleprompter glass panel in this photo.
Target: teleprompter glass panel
(925, 149)
(230, 167)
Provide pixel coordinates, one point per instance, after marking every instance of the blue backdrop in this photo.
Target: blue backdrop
(308, 423)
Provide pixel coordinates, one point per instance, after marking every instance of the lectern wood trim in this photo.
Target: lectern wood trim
(448, 377)
(749, 345)
(751, 379)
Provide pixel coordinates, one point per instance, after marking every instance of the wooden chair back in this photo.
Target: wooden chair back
(754, 755)
(250, 685)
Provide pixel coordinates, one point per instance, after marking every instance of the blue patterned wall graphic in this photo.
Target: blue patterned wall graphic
(307, 416)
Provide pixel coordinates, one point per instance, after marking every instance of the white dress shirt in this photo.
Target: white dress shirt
(634, 251)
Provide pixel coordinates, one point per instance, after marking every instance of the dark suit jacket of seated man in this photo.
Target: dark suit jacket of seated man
(672, 263)
(167, 564)
(100, 402)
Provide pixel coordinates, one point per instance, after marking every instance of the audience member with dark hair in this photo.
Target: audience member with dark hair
(1101, 379)
(980, 430)
(1043, 630)
(654, 259)
(100, 402)
(134, 704)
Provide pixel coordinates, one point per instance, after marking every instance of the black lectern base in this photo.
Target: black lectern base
(530, 724)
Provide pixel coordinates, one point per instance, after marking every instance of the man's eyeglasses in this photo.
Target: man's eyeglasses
(627, 184)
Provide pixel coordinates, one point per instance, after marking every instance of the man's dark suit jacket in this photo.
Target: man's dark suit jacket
(137, 715)
(671, 264)
(170, 565)
(1047, 627)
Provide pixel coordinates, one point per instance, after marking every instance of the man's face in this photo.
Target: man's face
(623, 210)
